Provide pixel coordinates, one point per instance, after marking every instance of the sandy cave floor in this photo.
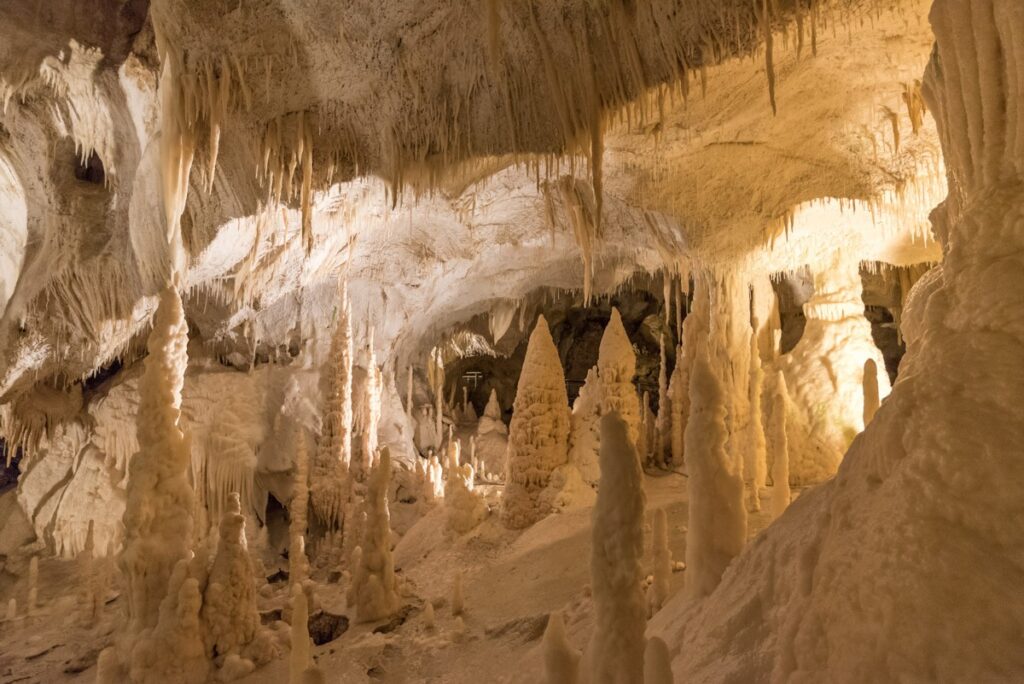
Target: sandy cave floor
(512, 580)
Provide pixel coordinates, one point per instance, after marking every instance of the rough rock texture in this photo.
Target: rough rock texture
(825, 372)
(538, 438)
(946, 435)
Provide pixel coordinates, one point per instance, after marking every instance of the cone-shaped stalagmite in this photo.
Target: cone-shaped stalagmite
(539, 433)
(616, 365)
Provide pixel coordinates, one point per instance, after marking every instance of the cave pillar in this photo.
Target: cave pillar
(825, 372)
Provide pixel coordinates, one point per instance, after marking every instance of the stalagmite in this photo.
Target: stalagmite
(679, 391)
(33, 586)
(757, 461)
(453, 453)
(825, 370)
(780, 447)
(437, 155)
(561, 660)
(539, 433)
(374, 577)
(158, 511)
(457, 601)
(93, 588)
(718, 517)
(371, 411)
(617, 647)
(329, 479)
(663, 450)
(408, 395)
(434, 486)
(437, 365)
(662, 561)
(427, 437)
(584, 436)
(870, 390)
(642, 450)
(616, 365)
(299, 659)
(465, 509)
(657, 662)
(298, 562)
(173, 652)
(229, 611)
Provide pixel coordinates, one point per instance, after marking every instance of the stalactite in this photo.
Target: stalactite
(769, 63)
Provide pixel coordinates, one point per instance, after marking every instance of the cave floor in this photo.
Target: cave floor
(511, 580)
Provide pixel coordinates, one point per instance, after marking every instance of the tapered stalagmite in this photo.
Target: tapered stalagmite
(458, 604)
(229, 611)
(173, 652)
(539, 433)
(584, 437)
(757, 451)
(617, 647)
(371, 412)
(298, 561)
(870, 390)
(616, 365)
(374, 578)
(679, 393)
(561, 660)
(663, 449)
(299, 659)
(33, 585)
(329, 481)
(158, 511)
(428, 614)
(491, 439)
(718, 519)
(780, 447)
(662, 561)
(465, 508)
